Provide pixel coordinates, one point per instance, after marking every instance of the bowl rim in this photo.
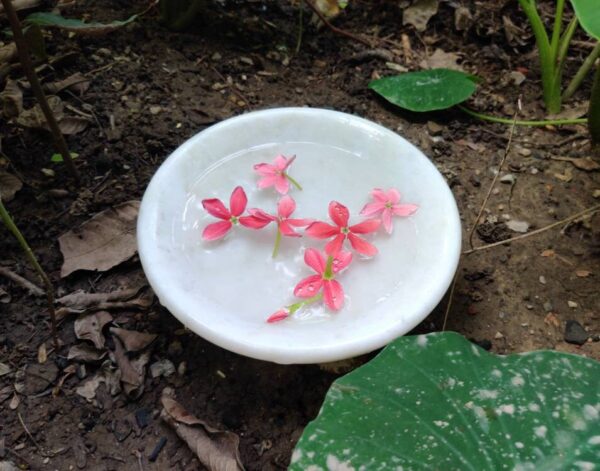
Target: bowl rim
(291, 354)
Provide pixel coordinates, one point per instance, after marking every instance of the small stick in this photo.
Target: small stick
(335, 29)
(39, 448)
(232, 87)
(25, 59)
(450, 297)
(537, 231)
(22, 282)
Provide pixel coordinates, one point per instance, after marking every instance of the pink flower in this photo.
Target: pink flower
(278, 316)
(339, 215)
(275, 174)
(326, 269)
(387, 205)
(230, 217)
(285, 207)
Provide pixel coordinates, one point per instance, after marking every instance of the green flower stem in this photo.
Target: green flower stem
(543, 122)
(582, 72)
(556, 30)
(277, 243)
(294, 307)
(294, 182)
(10, 224)
(328, 273)
(594, 111)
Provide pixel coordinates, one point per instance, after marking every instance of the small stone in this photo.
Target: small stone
(509, 178)
(542, 279)
(216, 57)
(529, 306)
(534, 171)
(518, 226)
(246, 60)
(572, 304)
(48, 172)
(517, 77)
(143, 417)
(498, 335)
(575, 333)
(496, 191)
(155, 109)
(8, 466)
(182, 368)
(524, 152)
(548, 306)
(596, 194)
(162, 368)
(501, 315)
(434, 128)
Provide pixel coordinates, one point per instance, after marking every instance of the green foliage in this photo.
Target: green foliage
(46, 19)
(426, 90)
(439, 402)
(59, 158)
(588, 14)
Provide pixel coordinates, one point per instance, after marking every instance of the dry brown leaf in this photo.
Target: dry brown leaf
(107, 375)
(89, 327)
(42, 355)
(565, 177)
(217, 450)
(583, 273)
(571, 112)
(83, 300)
(582, 163)
(8, 53)
(34, 118)
(72, 124)
(419, 13)
(547, 253)
(12, 99)
(133, 372)
(9, 185)
(132, 340)
(77, 83)
(143, 301)
(328, 8)
(551, 319)
(14, 402)
(22, 4)
(441, 60)
(85, 352)
(102, 242)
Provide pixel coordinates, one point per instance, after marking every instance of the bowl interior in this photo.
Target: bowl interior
(225, 290)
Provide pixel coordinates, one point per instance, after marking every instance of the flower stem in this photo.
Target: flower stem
(542, 122)
(277, 242)
(294, 182)
(583, 71)
(300, 304)
(328, 273)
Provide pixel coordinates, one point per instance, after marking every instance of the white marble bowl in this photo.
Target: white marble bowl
(225, 290)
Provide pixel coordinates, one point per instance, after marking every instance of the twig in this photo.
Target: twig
(450, 297)
(19, 456)
(232, 87)
(22, 282)
(487, 196)
(39, 448)
(25, 59)
(537, 231)
(300, 28)
(335, 29)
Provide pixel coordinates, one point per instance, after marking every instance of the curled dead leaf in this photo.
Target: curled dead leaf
(77, 83)
(9, 185)
(8, 53)
(34, 118)
(85, 352)
(582, 163)
(583, 273)
(83, 300)
(107, 375)
(12, 99)
(441, 60)
(551, 319)
(547, 253)
(419, 13)
(42, 355)
(216, 449)
(102, 242)
(132, 340)
(133, 371)
(89, 327)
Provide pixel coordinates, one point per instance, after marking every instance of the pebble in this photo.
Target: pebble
(143, 417)
(529, 306)
(534, 171)
(572, 304)
(162, 368)
(509, 178)
(434, 128)
(575, 333)
(596, 194)
(498, 335)
(548, 306)
(543, 279)
(182, 368)
(518, 226)
(155, 109)
(517, 77)
(216, 57)
(524, 152)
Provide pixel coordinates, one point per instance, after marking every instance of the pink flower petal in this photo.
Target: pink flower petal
(393, 196)
(404, 209)
(278, 316)
(289, 162)
(216, 208)
(238, 201)
(266, 181)
(333, 294)
(339, 214)
(315, 260)
(254, 222)
(362, 246)
(259, 213)
(308, 287)
(379, 195)
(286, 229)
(216, 230)
(282, 185)
(387, 220)
(341, 261)
(265, 169)
(286, 206)
(321, 230)
(333, 247)
(280, 163)
(371, 209)
(300, 222)
(366, 227)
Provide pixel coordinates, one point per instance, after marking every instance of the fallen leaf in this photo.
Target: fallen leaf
(582, 163)
(566, 177)
(56, 158)
(163, 367)
(14, 402)
(68, 371)
(133, 372)
(9, 52)
(583, 273)
(551, 319)
(9, 185)
(82, 300)
(514, 34)
(441, 60)
(547, 253)
(107, 375)
(85, 352)
(42, 354)
(132, 340)
(72, 125)
(419, 13)
(77, 83)
(102, 242)
(89, 327)
(328, 8)
(4, 369)
(463, 19)
(143, 301)
(4, 296)
(12, 99)
(571, 112)
(217, 450)
(5, 393)
(34, 118)
(23, 4)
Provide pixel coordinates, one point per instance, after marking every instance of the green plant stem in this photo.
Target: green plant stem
(25, 59)
(582, 72)
(594, 111)
(10, 224)
(543, 122)
(294, 307)
(563, 47)
(277, 243)
(556, 30)
(300, 27)
(294, 182)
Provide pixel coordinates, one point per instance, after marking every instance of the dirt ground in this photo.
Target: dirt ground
(151, 89)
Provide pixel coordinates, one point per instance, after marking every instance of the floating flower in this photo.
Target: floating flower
(230, 217)
(339, 215)
(278, 316)
(326, 269)
(276, 174)
(387, 204)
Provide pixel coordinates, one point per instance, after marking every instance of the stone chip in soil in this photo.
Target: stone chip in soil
(575, 333)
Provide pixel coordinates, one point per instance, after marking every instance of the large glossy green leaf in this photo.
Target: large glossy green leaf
(426, 90)
(438, 402)
(588, 14)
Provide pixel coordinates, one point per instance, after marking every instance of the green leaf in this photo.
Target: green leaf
(588, 14)
(58, 158)
(426, 90)
(438, 402)
(77, 26)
